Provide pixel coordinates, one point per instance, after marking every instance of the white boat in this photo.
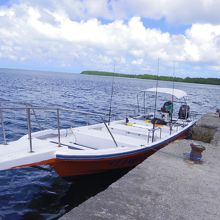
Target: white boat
(99, 147)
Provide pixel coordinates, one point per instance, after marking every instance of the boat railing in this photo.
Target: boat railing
(30, 109)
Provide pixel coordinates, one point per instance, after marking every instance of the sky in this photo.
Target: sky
(132, 35)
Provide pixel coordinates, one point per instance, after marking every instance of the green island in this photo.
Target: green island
(212, 81)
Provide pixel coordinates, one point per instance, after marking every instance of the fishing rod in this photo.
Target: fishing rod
(171, 113)
(112, 92)
(155, 103)
(171, 110)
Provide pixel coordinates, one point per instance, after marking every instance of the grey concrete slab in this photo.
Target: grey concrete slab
(165, 186)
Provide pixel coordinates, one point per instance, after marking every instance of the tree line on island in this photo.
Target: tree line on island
(213, 81)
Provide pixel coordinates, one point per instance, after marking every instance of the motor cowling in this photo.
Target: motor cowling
(184, 112)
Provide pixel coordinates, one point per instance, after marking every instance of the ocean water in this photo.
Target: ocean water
(36, 194)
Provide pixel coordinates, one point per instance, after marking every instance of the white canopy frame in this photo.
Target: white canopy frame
(179, 94)
(174, 92)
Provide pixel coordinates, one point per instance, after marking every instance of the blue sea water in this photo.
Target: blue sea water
(35, 194)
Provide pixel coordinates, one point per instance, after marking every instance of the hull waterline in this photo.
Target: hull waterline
(72, 167)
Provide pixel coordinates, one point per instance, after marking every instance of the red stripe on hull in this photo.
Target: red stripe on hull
(82, 167)
(49, 162)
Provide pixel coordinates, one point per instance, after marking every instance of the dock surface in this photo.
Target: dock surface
(164, 186)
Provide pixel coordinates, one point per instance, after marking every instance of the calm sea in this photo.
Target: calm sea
(36, 194)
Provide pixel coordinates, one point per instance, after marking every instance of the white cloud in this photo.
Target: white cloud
(204, 39)
(138, 62)
(52, 37)
(175, 11)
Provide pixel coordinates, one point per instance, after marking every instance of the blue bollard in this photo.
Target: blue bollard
(196, 152)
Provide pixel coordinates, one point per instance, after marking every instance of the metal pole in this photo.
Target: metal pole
(171, 119)
(29, 105)
(155, 103)
(138, 104)
(58, 126)
(112, 91)
(3, 127)
(29, 128)
(111, 134)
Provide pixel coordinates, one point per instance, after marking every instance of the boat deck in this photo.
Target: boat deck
(18, 153)
(90, 140)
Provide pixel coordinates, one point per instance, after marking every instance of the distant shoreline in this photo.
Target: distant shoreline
(211, 81)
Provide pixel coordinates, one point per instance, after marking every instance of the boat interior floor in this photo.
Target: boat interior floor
(135, 134)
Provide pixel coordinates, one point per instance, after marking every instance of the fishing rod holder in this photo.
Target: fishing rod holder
(151, 133)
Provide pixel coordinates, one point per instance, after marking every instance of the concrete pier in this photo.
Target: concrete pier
(208, 129)
(166, 185)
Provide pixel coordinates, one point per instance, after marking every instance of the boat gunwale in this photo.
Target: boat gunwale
(127, 153)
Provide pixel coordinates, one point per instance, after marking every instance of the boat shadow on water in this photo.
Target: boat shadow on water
(61, 195)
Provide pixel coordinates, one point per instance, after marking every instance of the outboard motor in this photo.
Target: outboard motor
(167, 107)
(184, 111)
(167, 111)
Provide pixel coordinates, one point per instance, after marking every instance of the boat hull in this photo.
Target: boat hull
(76, 167)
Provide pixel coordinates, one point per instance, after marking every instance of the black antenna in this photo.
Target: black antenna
(112, 91)
(155, 103)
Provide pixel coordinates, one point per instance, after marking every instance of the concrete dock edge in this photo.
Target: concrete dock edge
(165, 186)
